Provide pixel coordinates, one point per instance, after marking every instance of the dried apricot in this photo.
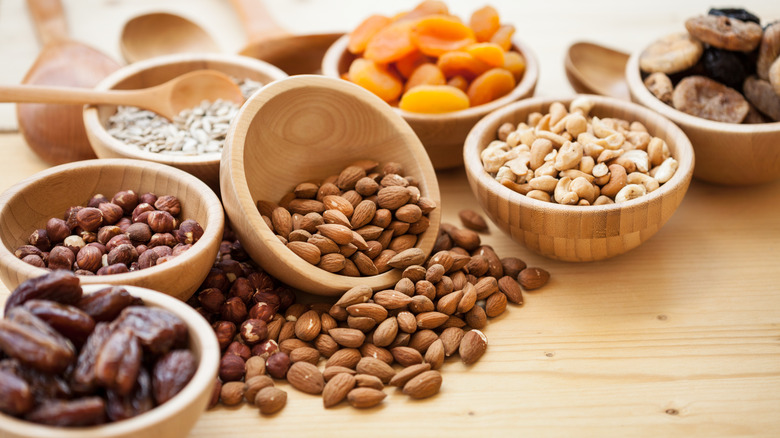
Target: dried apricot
(484, 22)
(358, 38)
(391, 43)
(426, 74)
(489, 53)
(459, 82)
(458, 63)
(503, 36)
(437, 34)
(490, 85)
(434, 99)
(410, 62)
(515, 63)
(375, 78)
(427, 7)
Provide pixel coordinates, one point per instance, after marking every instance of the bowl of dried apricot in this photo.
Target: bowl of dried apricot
(578, 179)
(719, 80)
(102, 361)
(440, 73)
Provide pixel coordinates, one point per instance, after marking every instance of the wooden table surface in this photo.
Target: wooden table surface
(679, 337)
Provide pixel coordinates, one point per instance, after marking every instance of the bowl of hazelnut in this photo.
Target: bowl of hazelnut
(115, 221)
(110, 361)
(439, 72)
(584, 178)
(719, 80)
(193, 141)
(326, 187)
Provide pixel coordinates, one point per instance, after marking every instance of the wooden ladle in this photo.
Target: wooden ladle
(295, 54)
(596, 69)
(56, 132)
(161, 33)
(167, 99)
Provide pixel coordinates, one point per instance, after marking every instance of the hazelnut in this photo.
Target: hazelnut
(118, 268)
(61, 258)
(105, 233)
(189, 231)
(265, 349)
(70, 216)
(267, 296)
(34, 260)
(165, 239)
(57, 230)
(179, 248)
(286, 298)
(115, 241)
(147, 259)
(40, 239)
(111, 212)
(83, 272)
(211, 299)
(216, 278)
(140, 208)
(237, 251)
(262, 311)
(168, 203)
(99, 246)
(239, 349)
(127, 199)
(242, 289)
(124, 254)
(225, 331)
(25, 250)
(232, 269)
(162, 251)
(89, 218)
(89, 258)
(147, 198)
(139, 233)
(124, 223)
(140, 249)
(261, 280)
(277, 365)
(234, 310)
(231, 368)
(96, 200)
(88, 236)
(253, 331)
(161, 221)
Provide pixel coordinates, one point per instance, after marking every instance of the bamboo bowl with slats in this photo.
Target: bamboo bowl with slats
(572, 232)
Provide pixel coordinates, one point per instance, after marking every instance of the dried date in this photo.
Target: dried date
(69, 321)
(118, 363)
(158, 330)
(87, 411)
(15, 395)
(138, 401)
(171, 373)
(107, 303)
(60, 286)
(83, 377)
(34, 348)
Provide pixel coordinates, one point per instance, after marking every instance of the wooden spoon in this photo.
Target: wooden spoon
(595, 69)
(56, 132)
(156, 34)
(295, 54)
(167, 99)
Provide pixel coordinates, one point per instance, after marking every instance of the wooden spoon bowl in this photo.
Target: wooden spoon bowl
(27, 206)
(160, 33)
(442, 134)
(574, 232)
(594, 69)
(308, 128)
(153, 72)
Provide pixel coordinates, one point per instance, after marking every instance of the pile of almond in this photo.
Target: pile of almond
(367, 340)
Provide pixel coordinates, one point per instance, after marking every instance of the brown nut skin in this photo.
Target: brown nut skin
(118, 268)
(211, 299)
(147, 198)
(115, 241)
(57, 230)
(140, 209)
(127, 199)
(161, 221)
(225, 331)
(277, 365)
(111, 212)
(124, 254)
(234, 310)
(89, 258)
(169, 204)
(253, 331)
(89, 218)
(96, 200)
(238, 349)
(265, 349)
(189, 232)
(61, 257)
(231, 368)
(139, 233)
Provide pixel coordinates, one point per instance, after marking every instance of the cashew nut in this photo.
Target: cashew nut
(643, 179)
(544, 123)
(617, 180)
(576, 124)
(639, 139)
(494, 156)
(538, 195)
(629, 192)
(587, 163)
(527, 136)
(563, 194)
(600, 170)
(637, 126)
(557, 112)
(506, 173)
(504, 130)
(609, 154)
(513, 139)
(555, 138)
(665, 171)
(533, 118)
(658, 151)
(575, 173)
(584, 189)
(545, 183)
(600, 129)
(603, 200)
(581, 105)
(634, 160)
(569, 156)
(539, 149)
(519, 188)
(615, 141)
(547, 168)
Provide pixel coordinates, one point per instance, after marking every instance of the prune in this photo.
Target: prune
(738, 13)
(727, 67)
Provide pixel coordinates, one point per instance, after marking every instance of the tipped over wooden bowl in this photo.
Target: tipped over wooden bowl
(308, 128)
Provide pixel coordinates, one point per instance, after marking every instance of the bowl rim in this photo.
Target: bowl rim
(526, 85)
(91, 117)
(473, 163)
(233, 177)
(640, 93)
(213, 232)
(201, 334)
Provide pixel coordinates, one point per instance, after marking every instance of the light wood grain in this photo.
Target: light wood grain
(308, 128)
(177, 416)
(27, 206)
(162, 33)
(595, 69)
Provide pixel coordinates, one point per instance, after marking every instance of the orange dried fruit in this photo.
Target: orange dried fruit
(437, 34)
(427, 7)
(459, 82)
(391, 43)
(490, 85)
(425, 74)
(489, 53)
(515, 63)
(375, 78)
(410, 62)
(434, 99)
(459, 63)
(358, 38)
(484, 22)
(503, 36)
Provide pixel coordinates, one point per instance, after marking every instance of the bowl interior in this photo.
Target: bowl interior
(308, 128)
(27, 206)
(174, 418)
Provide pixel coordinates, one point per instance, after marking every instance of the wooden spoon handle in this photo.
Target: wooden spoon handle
(49, 19)
(258, 22)
(72, 95)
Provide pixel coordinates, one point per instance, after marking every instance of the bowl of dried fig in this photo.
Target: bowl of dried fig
(326, 187)
(580, 179)
(718, 80)
(107, 361)
(116, 221)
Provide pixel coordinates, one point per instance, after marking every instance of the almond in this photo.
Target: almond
(270, 400)
(392, 299)
(362, 323)
(366, 165)
(406, 356)
(476, 317)
(363, 214)
(511, 288)
(369, 232)
(370, 310)
(495, 268)
(347, 250)
(421, 303)
(331, 372)
(468, 299)
(371, 350)
(448, 304)
(392, 197)
(495, 304)
(364, 264)
(375, 367)
(466, 239)
(282, 221)
(430, 320)
(308, 326)
(356, 295)
(453, 321)
(346, 357)
(254, 385)
(406, 258)
(421, 339)
(340, 234)
(472, 220)
(306, 190)
(362, 398)
(458, 262)
(472, 346)
(368, 381)
(305, 354)
(435, 272)
(393, 179)
(359, 242)
(435, 354)
(349, 177)
(423, 385)
(325, 344)
(325, 245)
(385, 332)
(533, 278)
(337, 389)
(381, 261)
(405, 285)
(406, 322)
(288, 345)
(427, 205)
(477, 266)
(486, 286)
(333, 262)
(232, 393)
(327, 189)
(408, 213)
(305, 377)
(336, 202)
(305, 206)
(266, 208)
(414, 273)
(408, 373)
(450, 338)
(335, 217)
(347, 337)
(402, 243)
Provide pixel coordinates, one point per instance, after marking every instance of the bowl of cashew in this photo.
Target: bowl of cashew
(583, 178)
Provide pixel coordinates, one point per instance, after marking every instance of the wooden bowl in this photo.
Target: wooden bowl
(27, 206)
(572, 232)
(155, 71)
(442, 134)
(303, 128)
(177, 416)
(726, 153)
